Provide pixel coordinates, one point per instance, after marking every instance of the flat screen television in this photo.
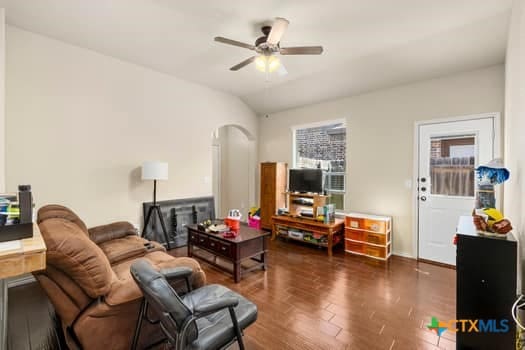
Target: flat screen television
(306, 180)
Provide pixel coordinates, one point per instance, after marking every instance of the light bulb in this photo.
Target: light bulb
(265, 63)
(273, 63)
(260, 63)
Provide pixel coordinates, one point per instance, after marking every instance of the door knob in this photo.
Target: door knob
(423, 189)
(423, 179)
(423, 198)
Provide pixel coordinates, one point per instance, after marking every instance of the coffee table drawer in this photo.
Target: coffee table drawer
(202, 241)
(213, 244)
(225, 249)
(194, 237)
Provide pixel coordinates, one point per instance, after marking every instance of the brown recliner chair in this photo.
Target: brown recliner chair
(89, 283)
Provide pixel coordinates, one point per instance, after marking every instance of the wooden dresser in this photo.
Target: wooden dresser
(273, 189)
(369, 235)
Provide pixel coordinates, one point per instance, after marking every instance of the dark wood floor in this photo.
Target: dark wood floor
(31, 323)
(309, 301)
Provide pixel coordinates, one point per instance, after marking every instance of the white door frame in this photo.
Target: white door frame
(216, 176)
(497, 153)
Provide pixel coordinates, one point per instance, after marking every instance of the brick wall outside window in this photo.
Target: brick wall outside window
(324, 147)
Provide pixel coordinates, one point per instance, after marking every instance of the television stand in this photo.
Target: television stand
(286, 223)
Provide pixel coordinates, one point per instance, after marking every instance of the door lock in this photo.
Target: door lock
(423, 198)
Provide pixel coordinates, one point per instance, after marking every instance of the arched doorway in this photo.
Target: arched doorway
(233, 170)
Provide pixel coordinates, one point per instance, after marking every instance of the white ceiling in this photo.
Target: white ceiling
(369, 44)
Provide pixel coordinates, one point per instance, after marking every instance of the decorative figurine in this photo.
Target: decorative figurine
(487, 219)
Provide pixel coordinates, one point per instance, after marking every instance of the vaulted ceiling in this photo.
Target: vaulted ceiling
(369, 44)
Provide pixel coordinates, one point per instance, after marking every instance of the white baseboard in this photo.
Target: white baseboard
(404, 255)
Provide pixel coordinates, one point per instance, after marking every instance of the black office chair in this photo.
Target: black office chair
(207, 318)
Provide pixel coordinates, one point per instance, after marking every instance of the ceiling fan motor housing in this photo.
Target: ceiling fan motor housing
(261, 40)
(261, 45)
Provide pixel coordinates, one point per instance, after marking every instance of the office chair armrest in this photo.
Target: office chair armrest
(214, 306)
(177, 273)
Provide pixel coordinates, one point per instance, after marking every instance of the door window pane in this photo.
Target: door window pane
(452, 162)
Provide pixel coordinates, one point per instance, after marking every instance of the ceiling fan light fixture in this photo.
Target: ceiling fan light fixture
(268, 64)
(273, 63)
(260, 63)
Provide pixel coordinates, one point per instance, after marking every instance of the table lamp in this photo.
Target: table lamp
(154, 170)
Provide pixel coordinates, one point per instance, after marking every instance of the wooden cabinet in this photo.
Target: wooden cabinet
(369, 235)
(273, 189)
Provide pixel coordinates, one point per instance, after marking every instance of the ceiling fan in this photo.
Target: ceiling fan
(268, 45)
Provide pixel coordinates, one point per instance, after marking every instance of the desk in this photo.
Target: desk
(310, 225)
(29, 256)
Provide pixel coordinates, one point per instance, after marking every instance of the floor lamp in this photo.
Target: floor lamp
(155, 171)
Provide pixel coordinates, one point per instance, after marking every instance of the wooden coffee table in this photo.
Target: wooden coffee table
(250, 244)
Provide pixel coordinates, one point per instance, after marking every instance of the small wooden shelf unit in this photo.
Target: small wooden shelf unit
(295, 208)
(368, 235)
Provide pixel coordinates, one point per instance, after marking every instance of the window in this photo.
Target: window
(324, 146)
(452, 165)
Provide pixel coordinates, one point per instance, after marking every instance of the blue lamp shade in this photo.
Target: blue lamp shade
(494, 171)
(154, 170)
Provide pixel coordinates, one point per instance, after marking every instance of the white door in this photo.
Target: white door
(448, 154)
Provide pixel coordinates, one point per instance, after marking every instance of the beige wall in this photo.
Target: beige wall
(2, 100)
(380, 129)
(514, 144)
(81, 124)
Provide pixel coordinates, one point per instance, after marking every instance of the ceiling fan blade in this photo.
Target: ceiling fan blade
(301, 50)
(243, 63)
(278, 29)
(234, 42)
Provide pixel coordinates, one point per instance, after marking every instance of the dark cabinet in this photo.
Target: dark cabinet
(486, 289)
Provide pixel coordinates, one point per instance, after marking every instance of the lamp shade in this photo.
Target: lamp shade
(154, 170)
